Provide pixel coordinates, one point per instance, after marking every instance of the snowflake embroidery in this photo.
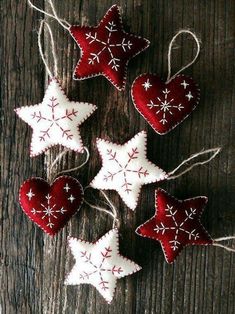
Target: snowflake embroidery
(99, 264)
(189, 96)
(125, 169)
(99, 268)
(176, 224)
(48, 211)
(107, 46)
(146, 85)
(54, 120)
(30, 194)
(165, 106)
(178, 227)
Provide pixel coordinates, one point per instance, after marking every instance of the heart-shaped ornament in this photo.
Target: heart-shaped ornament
(164, 105)
(51, 206)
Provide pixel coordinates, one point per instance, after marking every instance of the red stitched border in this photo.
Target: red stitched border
(73, 102)
(145, 152)
(138, 268)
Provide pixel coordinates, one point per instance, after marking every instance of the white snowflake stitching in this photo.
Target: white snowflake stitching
(125, 169)
(54, 120)
(107, 46)
(165, 106)
(30, 194)
(178, 227)
(48, 211)
(99, 268)
(146, 85)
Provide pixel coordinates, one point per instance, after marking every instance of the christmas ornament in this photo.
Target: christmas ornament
(125, 168)
(51, 206)
(105, 49)
(55, 120)
(176, 224)
(100, 264)
(166, 104)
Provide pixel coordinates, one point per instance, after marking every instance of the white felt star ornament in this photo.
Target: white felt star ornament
(99, 264)
(125, 168)
(55, 120)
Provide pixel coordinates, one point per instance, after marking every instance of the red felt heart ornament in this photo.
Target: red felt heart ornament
(164, 105)
(51, 206)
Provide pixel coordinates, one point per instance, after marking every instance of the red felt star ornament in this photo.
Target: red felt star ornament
(176, 224)
(106, 49)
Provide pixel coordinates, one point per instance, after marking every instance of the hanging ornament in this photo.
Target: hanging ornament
(100, 264)
(164, 105)
(105, 49)
(51, 206)
(55, 121)
(176, 224)
(125, 168)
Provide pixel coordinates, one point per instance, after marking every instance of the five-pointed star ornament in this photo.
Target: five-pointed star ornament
(125, 168)
(106, 49)
(55, 120)
(99, 264)
(176, 224)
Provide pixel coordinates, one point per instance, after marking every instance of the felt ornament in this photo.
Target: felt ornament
(125, 168)
(51, 206)
(100, 264)
(176, 224)
(105, 49)
(56, 120)
(164, 105)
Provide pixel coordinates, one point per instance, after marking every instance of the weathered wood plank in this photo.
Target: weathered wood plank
(33, 265)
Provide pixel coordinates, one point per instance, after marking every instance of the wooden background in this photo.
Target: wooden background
(33, 265)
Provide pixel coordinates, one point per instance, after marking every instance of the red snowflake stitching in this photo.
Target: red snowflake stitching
(100, 269)
(55, 120)
(125, 169)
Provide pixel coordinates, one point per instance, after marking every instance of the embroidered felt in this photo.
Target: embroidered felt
(50, 207)
(99, 264)
(125, 168)
(176, 224)
(106, 49)
(164, 105)
(55, 120)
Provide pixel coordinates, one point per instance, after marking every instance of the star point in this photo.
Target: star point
(125, 168)
(106, 49)
(99, 264)
(176, 224)
(55, 121)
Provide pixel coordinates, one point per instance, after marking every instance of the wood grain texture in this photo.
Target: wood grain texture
(33, 266)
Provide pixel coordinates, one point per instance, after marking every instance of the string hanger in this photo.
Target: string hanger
(65, 24)
(112, 212)
(58, 159)
(227, 248)
(214, 151)
(55, 70)
(169, 55)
